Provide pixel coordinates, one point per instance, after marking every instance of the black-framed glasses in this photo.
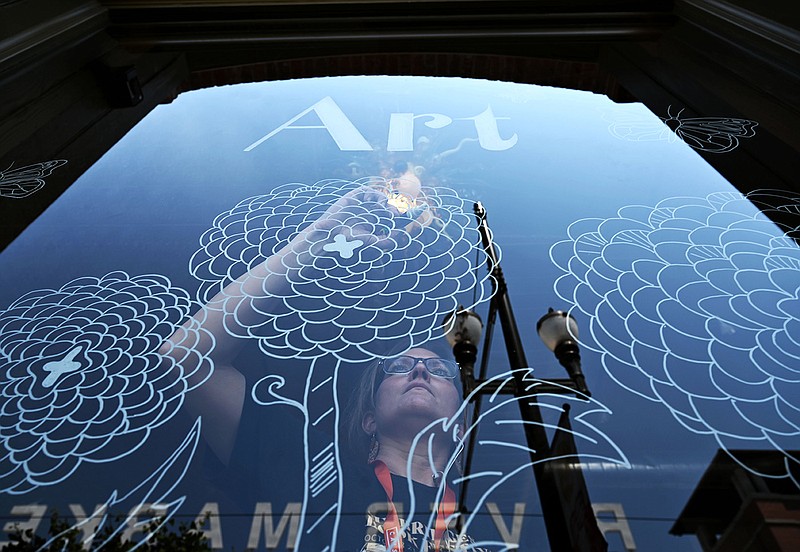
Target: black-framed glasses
(439, 367)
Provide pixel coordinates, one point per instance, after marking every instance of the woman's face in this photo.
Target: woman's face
(408, 402)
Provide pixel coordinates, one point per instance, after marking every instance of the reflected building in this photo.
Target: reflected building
(734, 508)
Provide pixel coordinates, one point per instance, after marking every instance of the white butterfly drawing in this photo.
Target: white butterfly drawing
(24, 181)
(708, 134)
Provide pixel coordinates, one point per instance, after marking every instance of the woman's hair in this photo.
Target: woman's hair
(362, 401)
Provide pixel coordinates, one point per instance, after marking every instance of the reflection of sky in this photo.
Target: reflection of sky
(142, 207)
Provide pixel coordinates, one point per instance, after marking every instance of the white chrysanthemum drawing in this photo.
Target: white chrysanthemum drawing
(81, 377)
(363, 280)
(695, 304)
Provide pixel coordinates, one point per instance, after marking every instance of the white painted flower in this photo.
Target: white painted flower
(695, 304)
(81, 377)
(366, 274)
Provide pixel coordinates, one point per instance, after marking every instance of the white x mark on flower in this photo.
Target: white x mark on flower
(63, 366)
(342, 246)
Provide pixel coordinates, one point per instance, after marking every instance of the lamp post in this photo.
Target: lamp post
(463, 332)
(559, 332)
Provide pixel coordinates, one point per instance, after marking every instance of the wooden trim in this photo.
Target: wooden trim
(746, 20)
(80, 21)
(169, 25)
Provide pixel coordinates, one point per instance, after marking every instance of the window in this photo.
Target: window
(188, 325)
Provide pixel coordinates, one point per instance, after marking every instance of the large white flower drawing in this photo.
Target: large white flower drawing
(695, 304)
(372, 270)
(367, 275)
(81, 377)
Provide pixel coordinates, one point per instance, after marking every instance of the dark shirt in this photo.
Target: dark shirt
(366, 507)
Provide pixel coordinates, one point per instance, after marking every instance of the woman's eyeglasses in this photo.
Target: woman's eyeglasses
(439, 367)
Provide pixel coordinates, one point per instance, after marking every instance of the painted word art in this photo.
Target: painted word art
(401, 128)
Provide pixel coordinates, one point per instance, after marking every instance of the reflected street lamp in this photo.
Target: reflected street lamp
(559, 332)
(557, 329)
(463, 332)
(569, 521)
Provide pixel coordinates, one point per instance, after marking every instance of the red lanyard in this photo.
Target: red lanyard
(391, 527)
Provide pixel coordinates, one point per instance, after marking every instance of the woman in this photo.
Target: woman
(399, 409)
(401, 425)
(221, 328)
